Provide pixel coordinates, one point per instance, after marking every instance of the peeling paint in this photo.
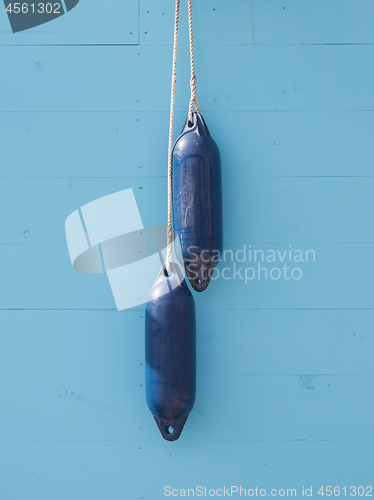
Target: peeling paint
(307, 381)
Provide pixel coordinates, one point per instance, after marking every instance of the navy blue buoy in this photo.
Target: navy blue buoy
(197, 201)
(170, 345)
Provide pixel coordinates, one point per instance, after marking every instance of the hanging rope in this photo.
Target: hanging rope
(192, 60)
(169, 254)
(193, 100)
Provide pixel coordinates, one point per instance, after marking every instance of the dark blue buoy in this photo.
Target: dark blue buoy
(170, 344)
(197, 201)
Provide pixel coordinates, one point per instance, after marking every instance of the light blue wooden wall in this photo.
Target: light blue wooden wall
(285, 368)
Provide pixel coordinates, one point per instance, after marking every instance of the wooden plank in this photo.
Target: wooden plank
(244, 77)
(215, 22)
(262, 407)
(230, 342)
(251, 143)
(87, 23)
(312, 22)
(259, 22)
(41, 277)
(287, 210)
(116, 469)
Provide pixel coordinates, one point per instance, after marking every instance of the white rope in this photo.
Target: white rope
(193, 100)
(192, 60)
(169, 254)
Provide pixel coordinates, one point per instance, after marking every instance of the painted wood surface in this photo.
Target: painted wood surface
(230, 78)
(285, 366)
(91, 23)
(252, 143)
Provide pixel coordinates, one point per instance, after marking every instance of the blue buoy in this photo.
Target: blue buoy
(170, 344)
(197, 201)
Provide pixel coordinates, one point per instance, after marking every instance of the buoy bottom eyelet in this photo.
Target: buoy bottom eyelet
(171, 429)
